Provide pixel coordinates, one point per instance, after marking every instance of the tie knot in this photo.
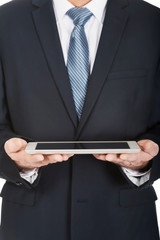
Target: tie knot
(80, 16)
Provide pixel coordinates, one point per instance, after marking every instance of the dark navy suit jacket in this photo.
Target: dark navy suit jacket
(83, 198)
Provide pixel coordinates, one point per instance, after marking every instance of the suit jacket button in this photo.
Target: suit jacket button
(19, 183)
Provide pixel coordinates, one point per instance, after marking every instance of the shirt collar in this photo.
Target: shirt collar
(97, 7)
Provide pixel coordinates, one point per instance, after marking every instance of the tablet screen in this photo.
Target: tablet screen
(50, 146)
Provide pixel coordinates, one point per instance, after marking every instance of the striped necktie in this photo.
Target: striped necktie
(78, 57)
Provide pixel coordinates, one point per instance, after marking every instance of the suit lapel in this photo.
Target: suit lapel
(46, 28)
(114, 25)
(113, 28)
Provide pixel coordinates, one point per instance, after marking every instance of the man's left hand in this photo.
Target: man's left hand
(134, 161)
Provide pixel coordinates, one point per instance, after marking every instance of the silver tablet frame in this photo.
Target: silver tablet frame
(134, 148)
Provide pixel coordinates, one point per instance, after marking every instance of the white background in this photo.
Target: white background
(157, 183)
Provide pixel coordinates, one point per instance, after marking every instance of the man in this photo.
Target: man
(112, 49)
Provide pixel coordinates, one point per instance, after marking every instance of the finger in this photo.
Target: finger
(14, 145)
(96, 155)
(23, 156)
(141, 156)
(58, 157)
(67, 156)
(149, 147)
(108, 157)
(112, 157)
(101, 157)
(54, 157)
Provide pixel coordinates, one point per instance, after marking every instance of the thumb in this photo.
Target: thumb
(14, 145)
(149, 147)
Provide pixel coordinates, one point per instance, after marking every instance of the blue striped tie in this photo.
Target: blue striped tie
(78, 57)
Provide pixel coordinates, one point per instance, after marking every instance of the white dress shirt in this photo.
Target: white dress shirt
(93, 29)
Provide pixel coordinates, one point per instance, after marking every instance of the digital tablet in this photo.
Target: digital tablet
(82, 147)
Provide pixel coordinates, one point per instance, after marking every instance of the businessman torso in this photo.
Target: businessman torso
(83, 198)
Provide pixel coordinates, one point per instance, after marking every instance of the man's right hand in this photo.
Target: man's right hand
(15, 148)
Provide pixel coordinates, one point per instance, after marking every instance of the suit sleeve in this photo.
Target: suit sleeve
(8, 169)
(154, 135)
(153, 131)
